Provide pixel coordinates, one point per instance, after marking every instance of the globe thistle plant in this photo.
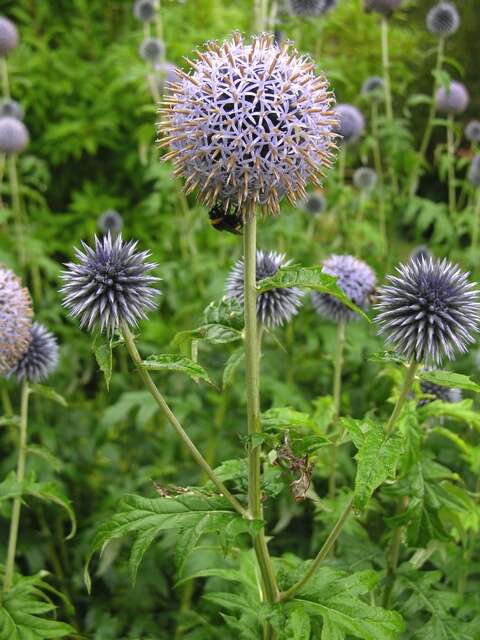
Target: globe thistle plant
(110, 222)
(351, 123)
(274, 307)
(443, 19)
(12, 109)
(144, 10)
(385, 7)
(365, 178)
(13, 135)
(357, 281)
(40, 358)
(109, 285)
(8, 36)
(453, 99)
(251, 123)
(428, 311)
(445, 394)
(15, 320)
(306, 7)
(315, 204)
(472, 131)
(373, 88)
(474, 171)
(421, 252)
(152, 50)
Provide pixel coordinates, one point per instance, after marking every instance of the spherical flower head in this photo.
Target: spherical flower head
(373, 88)
(166, 75)
(472, 131)
(357, 281)
(452, 100)
(315, 203)
(110, 222)
(428, 311)
(144, 10)
(385, 7)
(474, 171)
(421, 252)
(8, 36)
(274, 307)
(12, 109)
(40, 358)
(15, 320)
(306, 7)
(443, 19)
(365, 178)
(351, 123)
(250, 124)
(13, 135)
(152, 50)
(445, 394)
(109, 285)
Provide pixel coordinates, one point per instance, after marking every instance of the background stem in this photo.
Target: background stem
(451, 164)
(17, 503)
(386, 69)
(337, 390)
(407, 385)
(476, 221)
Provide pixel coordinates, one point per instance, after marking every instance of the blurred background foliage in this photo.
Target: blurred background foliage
(78, 75)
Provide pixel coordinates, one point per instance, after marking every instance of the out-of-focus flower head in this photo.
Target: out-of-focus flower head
(365, 178)
(15, 320)
(8, 36)
(443, 19)
(40, 358)
(351, 123)
(13, 135)
(472, 131)
(453, 99)
(11, 109)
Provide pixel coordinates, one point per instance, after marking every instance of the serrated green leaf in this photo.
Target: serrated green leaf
(286, 417)
(450, 379)
(462, 411)
(377, 457)
(308, 278)
(102, 349)
(44, 454)
(299, 627)
(179, 364)
(48, 393)
(387, 357)
(10, 487)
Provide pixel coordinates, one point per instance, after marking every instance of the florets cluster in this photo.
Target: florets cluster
(152, 50)
(15, 320)
(110, 222)
(144, 10)
(474, 171)
(472, 131)
(8, 36)
(443, 19)
(373, 87)
(365, 178)
(11, 108)
(351, 123)
(453, 99)
(40, 358)
(13, 135)
(315, 204)
(251, 123)
(428, 311)
(445, 394)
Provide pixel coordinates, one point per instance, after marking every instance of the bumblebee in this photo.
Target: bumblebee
(222, 219)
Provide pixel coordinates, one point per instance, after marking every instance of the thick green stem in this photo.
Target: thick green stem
(337, 390)
(17, 503)
(451, 163)
(322, 554)
(429, 126)
(252, 365)
(4, 77)
(405, 390)
(476, 221)
(159, 399)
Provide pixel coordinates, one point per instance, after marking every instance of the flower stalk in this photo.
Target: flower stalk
(451, 163)
(337, 390)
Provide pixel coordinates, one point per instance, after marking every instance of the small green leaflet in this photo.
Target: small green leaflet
(146, 518)
(333, 595)
(459, 411)
(27, 614)
(180, 364)
(48, 393)
(308, 278)
(450, 379)
(377, 457)
(102, 348)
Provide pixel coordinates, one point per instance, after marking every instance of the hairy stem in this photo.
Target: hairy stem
(476, 221)
(322, 554)
(17, 503)
(337, 390)
(405, 390)
(451, 163)
(252, 365)
(160, 400)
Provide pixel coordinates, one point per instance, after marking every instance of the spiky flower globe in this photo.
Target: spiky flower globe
(428, 311)
(8, 36)
(357, 281)
(351, 123)
(40, 358)
(315, 203)
(453, 99)
(443, 19)
(306, 7)
(421, 252)
(15, 320)
(373, 88)
(474, 171)
(445, 394)
(109, 285)
(12, 109)
(110, 222)
(365, 178)
(13, 135)
(274, 307)
(152, 50)
(385, 7)
(472, 131)
(250, 124)
(144, 10)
